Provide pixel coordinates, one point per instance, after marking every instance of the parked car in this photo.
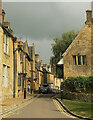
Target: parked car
(44, 89)
(55, 91)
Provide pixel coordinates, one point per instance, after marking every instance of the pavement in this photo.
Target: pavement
(9, 104)
(40, 107)
(13, 103)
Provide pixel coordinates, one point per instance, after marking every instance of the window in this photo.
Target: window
(5, 76)
(24, 63)
(21, 57)
(84, 60)
(74, 60)
(19, 79)
(6, 44)
(79, 60)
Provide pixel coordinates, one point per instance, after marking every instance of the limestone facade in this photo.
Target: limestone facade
(6, 39)
(78, 58)
(26, 66)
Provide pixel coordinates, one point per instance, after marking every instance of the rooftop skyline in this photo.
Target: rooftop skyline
(41, 22)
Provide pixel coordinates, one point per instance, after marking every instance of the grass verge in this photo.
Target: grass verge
(80, 108)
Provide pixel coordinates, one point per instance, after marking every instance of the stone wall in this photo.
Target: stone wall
(81, 46)
(1, 35)
(7, 59)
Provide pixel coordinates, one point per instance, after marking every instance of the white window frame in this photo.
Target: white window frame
(5, 76)
(6, 43)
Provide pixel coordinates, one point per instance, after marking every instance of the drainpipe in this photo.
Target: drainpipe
(14, 67)
(25, 80)
(25, 63)
(25, 70)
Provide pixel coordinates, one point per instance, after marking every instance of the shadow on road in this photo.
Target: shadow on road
(46, 95)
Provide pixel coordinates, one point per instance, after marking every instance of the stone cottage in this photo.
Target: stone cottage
(78, 58)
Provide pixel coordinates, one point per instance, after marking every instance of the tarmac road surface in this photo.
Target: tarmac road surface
(42, 107)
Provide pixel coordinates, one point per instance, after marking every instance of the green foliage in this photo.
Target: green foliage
(79, 84)
(60, 45)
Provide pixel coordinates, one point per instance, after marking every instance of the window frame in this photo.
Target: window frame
(6, 43)
(19, 80)
(5, 80)
(83, 59)
(74, 60)
(79, 58)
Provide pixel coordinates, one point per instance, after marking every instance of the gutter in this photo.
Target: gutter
(71, 113)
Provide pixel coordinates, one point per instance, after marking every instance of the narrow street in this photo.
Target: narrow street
(42, 107)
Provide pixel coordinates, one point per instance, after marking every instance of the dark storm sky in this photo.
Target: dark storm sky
(40, 22)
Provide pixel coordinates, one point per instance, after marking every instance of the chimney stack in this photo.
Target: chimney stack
(37, 57)
(89, 16)
(3, 16)
(20, 42)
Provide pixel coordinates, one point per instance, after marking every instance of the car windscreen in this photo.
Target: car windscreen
(45, 85)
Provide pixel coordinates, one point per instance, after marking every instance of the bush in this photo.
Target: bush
(79, 84)
(77, 96)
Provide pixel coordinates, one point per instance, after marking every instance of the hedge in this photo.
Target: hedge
(79, 84)
(86, 97)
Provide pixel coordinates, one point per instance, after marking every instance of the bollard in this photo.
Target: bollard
(24, 93)
(61, 94)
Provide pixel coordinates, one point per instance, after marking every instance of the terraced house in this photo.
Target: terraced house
(15, 62)
(39, 71)
(32, 56)
(78, 58)
(26, 65)
(6, 56)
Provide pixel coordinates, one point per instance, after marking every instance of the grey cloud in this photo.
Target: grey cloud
(37, 21)
(42, 20)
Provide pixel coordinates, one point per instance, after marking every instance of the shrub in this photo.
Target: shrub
(79, 84)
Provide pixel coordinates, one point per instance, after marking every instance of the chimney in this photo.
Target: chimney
(33, 44)
(3, 16)
(89, 16)
(0, 11)
(20, 42)
(37, 57)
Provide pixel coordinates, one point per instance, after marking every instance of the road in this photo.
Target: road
(42, 107)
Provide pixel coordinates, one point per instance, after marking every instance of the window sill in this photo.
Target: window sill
(79, 65)
(7, 54)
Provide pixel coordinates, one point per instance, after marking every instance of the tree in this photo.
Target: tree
(60, 46)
